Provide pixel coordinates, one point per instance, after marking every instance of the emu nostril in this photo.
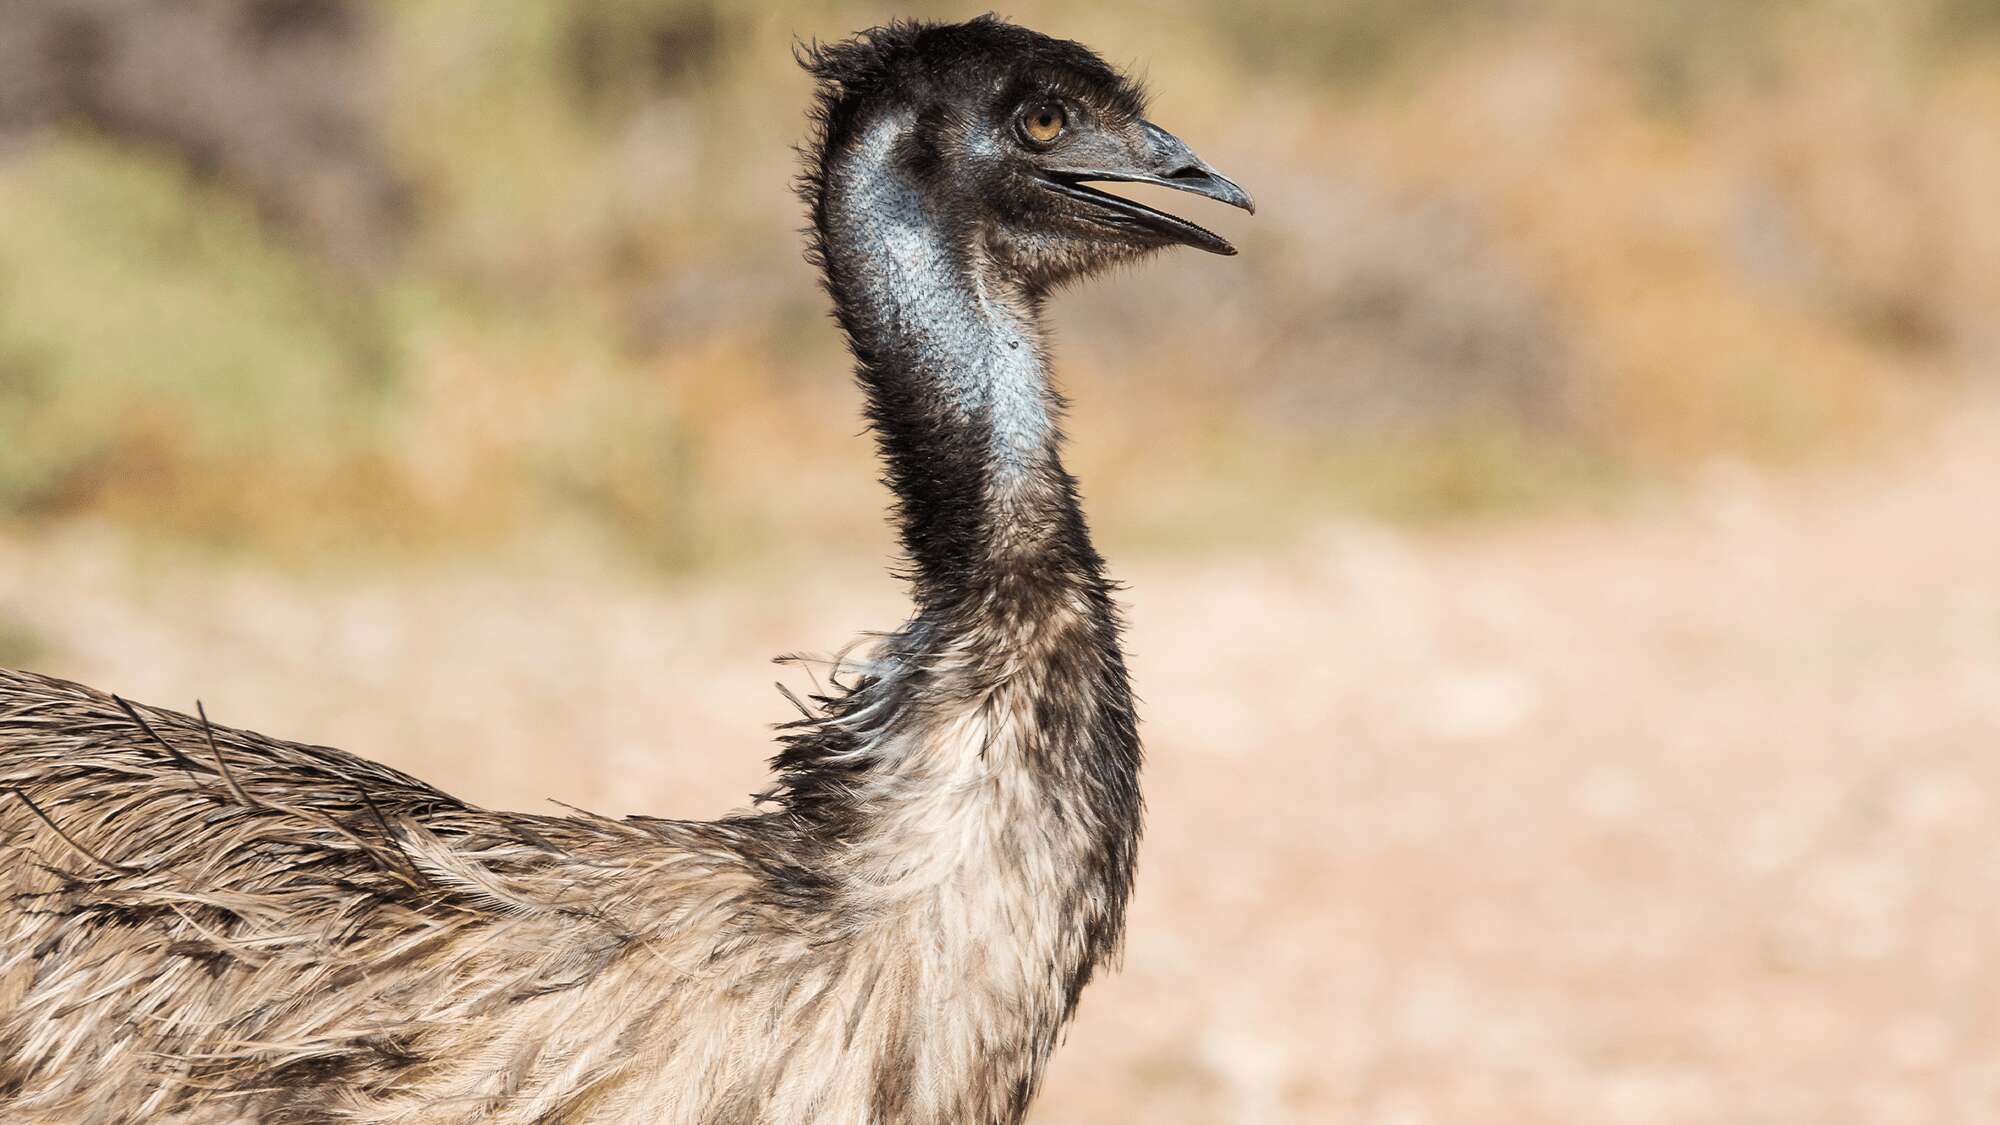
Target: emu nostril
(1200, 179)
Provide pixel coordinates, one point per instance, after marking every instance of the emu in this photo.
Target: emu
(200, 924)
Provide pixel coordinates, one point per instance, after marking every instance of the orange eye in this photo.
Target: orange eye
(1044, 123)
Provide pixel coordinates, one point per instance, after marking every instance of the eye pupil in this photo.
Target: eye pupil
(1043, 124)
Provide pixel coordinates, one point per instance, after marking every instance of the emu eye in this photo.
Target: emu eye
(1043, 123)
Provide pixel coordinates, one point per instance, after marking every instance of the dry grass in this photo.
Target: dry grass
(1685, 815)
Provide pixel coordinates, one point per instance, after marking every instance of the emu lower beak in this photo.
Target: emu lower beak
(1166, 161)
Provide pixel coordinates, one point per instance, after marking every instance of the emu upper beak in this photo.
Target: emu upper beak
(1160, 158)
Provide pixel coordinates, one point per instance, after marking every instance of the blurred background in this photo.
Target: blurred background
(1563, 548)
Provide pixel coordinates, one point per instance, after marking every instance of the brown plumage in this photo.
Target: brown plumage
(198, 909)
(200, 924)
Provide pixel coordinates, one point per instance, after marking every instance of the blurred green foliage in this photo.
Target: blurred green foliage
(146, 318)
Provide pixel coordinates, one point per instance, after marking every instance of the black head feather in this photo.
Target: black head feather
(917, 64)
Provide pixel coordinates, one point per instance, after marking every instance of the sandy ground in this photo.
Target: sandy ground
(1690, 815)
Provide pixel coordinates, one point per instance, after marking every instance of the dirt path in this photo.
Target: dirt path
(1690, 816)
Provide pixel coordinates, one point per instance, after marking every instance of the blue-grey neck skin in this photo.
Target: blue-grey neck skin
(950, 316)
(951, 355)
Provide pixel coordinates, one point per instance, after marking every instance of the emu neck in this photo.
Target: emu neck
(952, 358)
(1001, 718)
(975, 796)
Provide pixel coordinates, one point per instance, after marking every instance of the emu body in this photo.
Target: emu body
(200, 924)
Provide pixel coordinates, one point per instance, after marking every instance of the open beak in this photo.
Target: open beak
(1163, 160)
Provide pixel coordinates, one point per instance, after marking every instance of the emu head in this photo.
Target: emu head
(1000, 131)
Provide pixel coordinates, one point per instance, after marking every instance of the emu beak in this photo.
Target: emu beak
(1164, 160)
